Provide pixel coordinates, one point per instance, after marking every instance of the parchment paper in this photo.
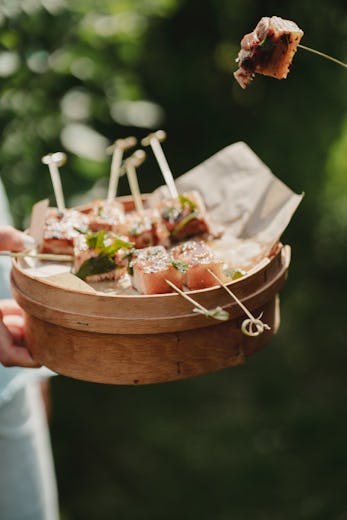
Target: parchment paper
(241, 193)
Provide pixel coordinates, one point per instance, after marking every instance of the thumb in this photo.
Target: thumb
(13, 240)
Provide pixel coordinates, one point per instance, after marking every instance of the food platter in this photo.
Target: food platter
(97, 330)
(126, 339)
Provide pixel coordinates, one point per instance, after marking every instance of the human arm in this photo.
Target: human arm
(13, 351)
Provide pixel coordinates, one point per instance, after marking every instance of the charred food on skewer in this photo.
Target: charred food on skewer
(61, 229)
(268, 50)
(185, 216)
(101, 256)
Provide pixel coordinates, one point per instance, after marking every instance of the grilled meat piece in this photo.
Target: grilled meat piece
(268, 50)
(185, 216)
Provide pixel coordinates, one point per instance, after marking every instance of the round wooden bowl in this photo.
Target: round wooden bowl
(127, 339)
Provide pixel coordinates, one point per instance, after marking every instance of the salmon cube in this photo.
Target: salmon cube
(151, 267)
(195, 259)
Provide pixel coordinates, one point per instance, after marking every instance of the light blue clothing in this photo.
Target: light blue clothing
(27, 480)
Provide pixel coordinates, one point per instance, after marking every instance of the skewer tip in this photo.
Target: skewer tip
(159, 135)
(58, 158)
(122, 144)
(135, 160)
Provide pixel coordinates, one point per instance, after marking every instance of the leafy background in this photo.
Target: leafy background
(266, 440)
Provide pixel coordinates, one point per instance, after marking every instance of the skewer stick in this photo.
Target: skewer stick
(39, 256)
(248, 325)
(117, 149)
(53, 160)
(218, 313)
(323, 55)
(154, 141)
(130, 165)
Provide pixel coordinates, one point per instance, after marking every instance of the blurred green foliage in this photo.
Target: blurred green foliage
(263, 441)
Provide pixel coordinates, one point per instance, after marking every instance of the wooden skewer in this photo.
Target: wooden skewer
(248, 324)
(53, 160)
(323, 55)
(117, 149)
(154, 140)
(130, 165)
(39, 256)
(218, 313)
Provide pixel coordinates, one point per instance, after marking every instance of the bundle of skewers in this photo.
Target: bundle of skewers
(160, 247)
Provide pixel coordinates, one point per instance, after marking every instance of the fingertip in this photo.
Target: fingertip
(28, 240)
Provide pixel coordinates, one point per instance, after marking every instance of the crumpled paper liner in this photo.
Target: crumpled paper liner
(243, 196)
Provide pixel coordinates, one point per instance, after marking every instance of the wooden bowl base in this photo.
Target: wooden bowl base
(130, 359)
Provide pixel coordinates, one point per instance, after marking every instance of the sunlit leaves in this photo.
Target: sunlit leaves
(71, 72)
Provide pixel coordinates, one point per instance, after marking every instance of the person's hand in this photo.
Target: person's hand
(13, 240)
(13, 351)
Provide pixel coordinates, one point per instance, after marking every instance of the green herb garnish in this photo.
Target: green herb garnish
(96, 265)
(234, 274)
(182, 267)
(185, 201)
(266, 43)
(184, 222)
(104, 262)
(96, 240)
(116, 245)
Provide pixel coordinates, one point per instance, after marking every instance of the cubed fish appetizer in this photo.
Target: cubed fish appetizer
(150, 268)
(185, 216)
(107, 215)
(101, 256)
(61, 230)
(146, 229)
(195, 259)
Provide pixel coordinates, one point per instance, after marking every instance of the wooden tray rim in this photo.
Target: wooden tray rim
(284, 251)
